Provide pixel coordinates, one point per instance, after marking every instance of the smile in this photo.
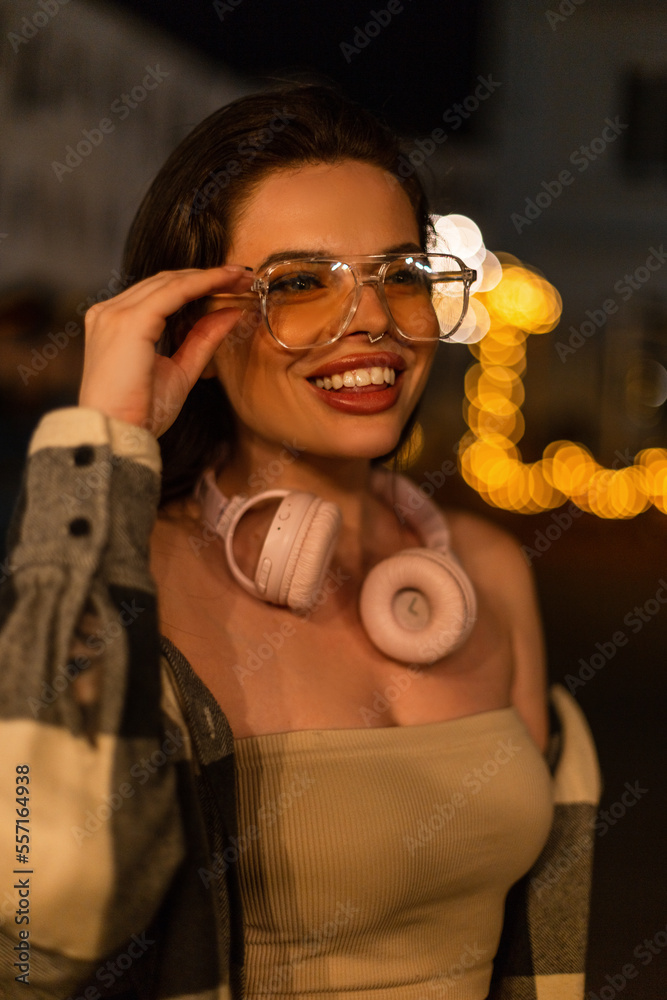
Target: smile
(357, 378)
(363, 383)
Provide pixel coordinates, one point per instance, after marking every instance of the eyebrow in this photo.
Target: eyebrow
(277, 258)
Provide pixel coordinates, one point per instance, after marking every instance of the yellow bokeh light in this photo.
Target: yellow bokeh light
(524, 300)
(524, 303)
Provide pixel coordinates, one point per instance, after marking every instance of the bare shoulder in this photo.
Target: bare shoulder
(483, 547)
(495, 563)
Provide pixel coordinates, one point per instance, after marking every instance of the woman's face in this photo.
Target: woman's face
(341, 211)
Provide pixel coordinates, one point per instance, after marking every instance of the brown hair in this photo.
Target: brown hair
(187, 216)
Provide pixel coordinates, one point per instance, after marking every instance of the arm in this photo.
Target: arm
(80, 703)
(80, 690)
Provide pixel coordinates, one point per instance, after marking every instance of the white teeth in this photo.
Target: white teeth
(357, 376)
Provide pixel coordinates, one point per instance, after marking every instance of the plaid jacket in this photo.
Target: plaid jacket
(118, 764)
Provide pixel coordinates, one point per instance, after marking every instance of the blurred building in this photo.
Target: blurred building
(92, 100)
(565, 166)
(558, 151)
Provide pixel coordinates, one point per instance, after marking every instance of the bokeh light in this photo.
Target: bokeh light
(459, 235)
(519, 304)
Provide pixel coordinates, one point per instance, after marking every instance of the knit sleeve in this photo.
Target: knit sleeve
(90, 829)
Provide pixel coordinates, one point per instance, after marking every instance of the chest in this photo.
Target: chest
(272, 670)
(413, 829)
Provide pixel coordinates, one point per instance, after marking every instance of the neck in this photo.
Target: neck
(259, 466)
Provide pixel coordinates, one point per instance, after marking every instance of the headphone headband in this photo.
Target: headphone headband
(417, 605)
(420, 512)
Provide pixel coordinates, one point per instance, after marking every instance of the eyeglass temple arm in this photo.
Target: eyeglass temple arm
(468, 274)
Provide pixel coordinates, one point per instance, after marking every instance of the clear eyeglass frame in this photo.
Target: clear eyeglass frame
(466, 275)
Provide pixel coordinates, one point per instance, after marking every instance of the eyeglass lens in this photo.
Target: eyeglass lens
(308, 303)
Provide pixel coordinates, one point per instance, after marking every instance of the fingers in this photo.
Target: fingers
(122, 374)
(203, 340)
(165, 293)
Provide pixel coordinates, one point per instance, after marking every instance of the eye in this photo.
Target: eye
(295, 283)
(402, 276)
(406, 276)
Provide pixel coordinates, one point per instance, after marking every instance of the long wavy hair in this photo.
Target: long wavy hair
(186, 220)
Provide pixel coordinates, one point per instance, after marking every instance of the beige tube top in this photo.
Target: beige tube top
(374, 863)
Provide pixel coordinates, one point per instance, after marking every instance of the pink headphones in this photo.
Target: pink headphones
(416, 606)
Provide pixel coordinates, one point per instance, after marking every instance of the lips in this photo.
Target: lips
(360, 399)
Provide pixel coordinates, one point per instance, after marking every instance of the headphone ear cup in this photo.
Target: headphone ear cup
(311, 555)
(418, 605)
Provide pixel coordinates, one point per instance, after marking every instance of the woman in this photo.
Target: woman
(273, 802)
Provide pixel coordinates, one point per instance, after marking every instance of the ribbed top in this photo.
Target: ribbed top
(375, 862)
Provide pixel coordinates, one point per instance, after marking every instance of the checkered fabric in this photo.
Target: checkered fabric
(542, 953)
(131, 763)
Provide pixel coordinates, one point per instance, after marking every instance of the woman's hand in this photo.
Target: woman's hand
(122, 374)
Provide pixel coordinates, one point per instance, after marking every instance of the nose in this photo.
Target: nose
(370, 315)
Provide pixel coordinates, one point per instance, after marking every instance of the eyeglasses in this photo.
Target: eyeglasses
(310, 301)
